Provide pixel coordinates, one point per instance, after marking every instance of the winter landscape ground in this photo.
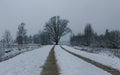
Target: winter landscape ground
(54, 60)
(59, 37)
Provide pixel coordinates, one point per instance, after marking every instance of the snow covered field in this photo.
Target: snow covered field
(13, 51)
(71, 65)
(28, 63)
(103, 51)
(113, 62)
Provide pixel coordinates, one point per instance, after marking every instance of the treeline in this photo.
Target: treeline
(22, 38)
(39, 38)
(110, 39)
(54, 29)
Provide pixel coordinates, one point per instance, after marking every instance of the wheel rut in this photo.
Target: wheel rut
(50, 67)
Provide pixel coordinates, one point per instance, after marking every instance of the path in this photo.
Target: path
(50, 67)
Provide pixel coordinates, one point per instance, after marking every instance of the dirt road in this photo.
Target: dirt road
(50, 67)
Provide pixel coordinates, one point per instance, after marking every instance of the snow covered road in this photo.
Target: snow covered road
(28, 63)
(113, 62)
(32, 62)
(71, 65)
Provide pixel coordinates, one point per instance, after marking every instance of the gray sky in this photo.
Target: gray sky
(101, 14)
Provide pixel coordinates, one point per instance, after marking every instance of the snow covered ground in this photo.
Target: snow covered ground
(12, 52)
(102, 51)
(28, 63)
(113, 62)
(71, 65)
(31, 63)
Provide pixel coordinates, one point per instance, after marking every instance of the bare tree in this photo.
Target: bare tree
(112, 39)
(21, 33)
(56, 28)
(7, 38)
(44, 38)
(88, 32)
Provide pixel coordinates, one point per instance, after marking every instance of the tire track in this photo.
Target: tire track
(50, 67)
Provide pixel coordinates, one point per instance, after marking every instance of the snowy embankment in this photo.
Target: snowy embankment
(113, 62)
(102, 51)
(28, 63)
(12, 52)
(71, 65)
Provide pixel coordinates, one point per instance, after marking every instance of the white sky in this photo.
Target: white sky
(101, 14)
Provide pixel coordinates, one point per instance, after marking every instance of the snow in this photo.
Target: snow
(102, 51)
(28, 63)
(31, 63)
(8, 53)
(113, 62)
(71, 65)
(107, 53)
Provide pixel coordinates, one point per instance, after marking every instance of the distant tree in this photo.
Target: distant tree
(7, 38)
(5, 42)
(19, 40)
(88, 34)
(56, 28)
(78, 40)
(44, 38)
(21, 34)
(96, 42)
(36, 39)
(73, 40)
(102, 41)
(114, 39)
(30, 39)
(106, 38)
(2, 50)
(88, 38)
(111, 39)
(26, 39)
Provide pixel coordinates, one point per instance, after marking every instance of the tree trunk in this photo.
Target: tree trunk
(56, 43)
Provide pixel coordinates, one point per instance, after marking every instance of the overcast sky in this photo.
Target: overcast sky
(101, 14)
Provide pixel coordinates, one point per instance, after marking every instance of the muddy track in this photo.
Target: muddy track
(104, 67)
(50, 67)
